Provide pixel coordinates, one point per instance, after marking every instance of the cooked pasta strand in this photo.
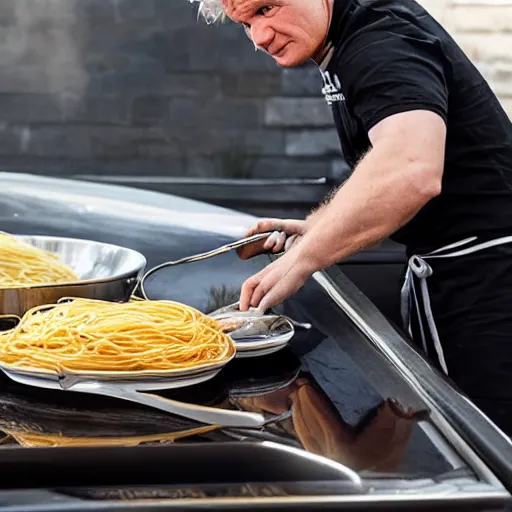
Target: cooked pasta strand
(93, 335)
(22, 264)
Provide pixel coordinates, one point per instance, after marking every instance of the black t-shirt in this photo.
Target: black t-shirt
(391, 56)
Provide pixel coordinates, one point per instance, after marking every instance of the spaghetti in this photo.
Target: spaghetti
(92, 335)
(22, 264)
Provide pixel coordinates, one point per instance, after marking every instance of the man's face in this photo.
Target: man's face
(291, 31)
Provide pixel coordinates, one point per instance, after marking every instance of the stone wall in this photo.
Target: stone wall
(140, 87)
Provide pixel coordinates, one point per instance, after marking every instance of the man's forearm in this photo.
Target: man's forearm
(383, 193)
(316, 214)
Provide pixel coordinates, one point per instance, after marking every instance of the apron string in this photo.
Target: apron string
(475, 248)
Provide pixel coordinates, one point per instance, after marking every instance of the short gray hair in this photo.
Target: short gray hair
(210, 10)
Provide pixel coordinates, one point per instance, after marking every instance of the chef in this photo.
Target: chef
(430, 150)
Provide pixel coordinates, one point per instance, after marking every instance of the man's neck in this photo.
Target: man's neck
(325, 47)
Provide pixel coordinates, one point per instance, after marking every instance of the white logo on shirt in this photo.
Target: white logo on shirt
(332, 88)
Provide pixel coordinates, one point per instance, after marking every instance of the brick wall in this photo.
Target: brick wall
(141, 87)
(483, 28)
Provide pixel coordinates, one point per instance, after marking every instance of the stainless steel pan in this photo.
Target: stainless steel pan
(107, 272)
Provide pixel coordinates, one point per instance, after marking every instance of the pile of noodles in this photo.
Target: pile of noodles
(92, 335)
(22, 265)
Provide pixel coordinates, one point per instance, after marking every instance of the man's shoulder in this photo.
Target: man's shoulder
(380, 29)
(389, 57)
(409, 12)
(373, 18)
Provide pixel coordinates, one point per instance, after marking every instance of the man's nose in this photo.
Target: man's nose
(262, 34)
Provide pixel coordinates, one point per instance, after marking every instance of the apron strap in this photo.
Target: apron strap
(420, 323)
(431, 324)
(405, 301)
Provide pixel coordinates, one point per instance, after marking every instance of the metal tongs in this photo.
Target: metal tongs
(239, 244)
(138, 392)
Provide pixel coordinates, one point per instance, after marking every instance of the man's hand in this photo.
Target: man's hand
(400, 174)
(278, 281)
(285, 233)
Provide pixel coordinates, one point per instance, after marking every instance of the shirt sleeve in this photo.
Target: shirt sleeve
(386, 72)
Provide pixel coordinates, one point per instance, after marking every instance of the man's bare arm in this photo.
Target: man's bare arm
(398, 176)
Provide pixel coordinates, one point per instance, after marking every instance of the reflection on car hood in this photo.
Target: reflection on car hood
(161, 226)
(38, 199)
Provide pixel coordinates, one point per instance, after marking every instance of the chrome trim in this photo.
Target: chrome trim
(405, 499)
(440, 443)
(168, 180)
(410, 364)
(324, 461)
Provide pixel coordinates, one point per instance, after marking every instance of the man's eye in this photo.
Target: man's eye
(264, 10)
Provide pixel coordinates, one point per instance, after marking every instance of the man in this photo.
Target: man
(431, 152)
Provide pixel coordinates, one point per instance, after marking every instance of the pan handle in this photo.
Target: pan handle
(202, 256)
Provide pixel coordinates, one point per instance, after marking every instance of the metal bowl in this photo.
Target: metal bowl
(107, 272)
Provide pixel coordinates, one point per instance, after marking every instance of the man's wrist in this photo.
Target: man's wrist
(312, 258)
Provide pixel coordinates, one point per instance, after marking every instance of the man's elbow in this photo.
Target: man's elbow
(432, 187)
(427, 182)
